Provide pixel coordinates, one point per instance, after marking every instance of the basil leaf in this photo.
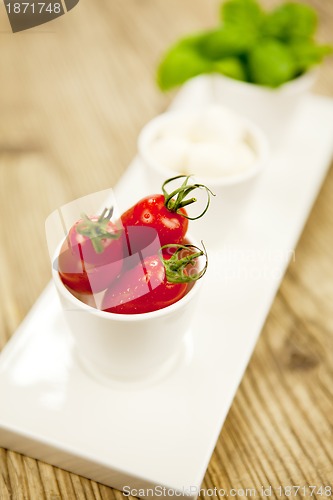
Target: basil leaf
(231, 67)
(307, 53)
(291, 20)
(242, 13)
(179, 65)
(227, 41)
(271, 63)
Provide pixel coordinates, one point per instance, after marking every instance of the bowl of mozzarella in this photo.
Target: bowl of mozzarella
(218, 147)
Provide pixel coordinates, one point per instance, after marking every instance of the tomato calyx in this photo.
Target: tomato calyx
(97, 230)
(180, 269)
(176, 200)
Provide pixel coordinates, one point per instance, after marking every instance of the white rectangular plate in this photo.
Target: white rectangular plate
(163, 432)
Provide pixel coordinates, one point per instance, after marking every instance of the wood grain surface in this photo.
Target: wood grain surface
(74, 96)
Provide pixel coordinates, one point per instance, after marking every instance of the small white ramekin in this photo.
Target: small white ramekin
(232, 192)
(133, 347)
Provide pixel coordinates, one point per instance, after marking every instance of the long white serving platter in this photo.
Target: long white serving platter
(162, 432)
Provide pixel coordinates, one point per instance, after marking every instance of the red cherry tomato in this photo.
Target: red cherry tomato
(151, 212)
(143, 289)
(86, 298)
(153, 284)
(96, 240)
(72, 270)
(86, 278)
(165, 213)
(91, 257)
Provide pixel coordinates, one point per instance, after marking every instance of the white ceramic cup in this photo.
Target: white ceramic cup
(273, 109)
(127, 347)
(232, 192)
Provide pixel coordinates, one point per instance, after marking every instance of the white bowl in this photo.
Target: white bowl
(127, 347)
(232, 191)
(273, 109)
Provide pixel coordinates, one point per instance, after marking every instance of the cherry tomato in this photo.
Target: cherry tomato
(72, 270)
(82, 277)
(143, 289)
(96, 240)
(86, 298)
(165, 213)
(91, 257)
(152, 212)
(157, 282)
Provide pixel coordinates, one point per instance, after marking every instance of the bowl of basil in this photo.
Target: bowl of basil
(261, 63)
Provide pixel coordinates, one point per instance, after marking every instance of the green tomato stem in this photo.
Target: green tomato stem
(96, 230)
(176, 268)
(176, 200)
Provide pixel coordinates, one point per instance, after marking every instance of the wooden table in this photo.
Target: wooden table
(74, 96)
